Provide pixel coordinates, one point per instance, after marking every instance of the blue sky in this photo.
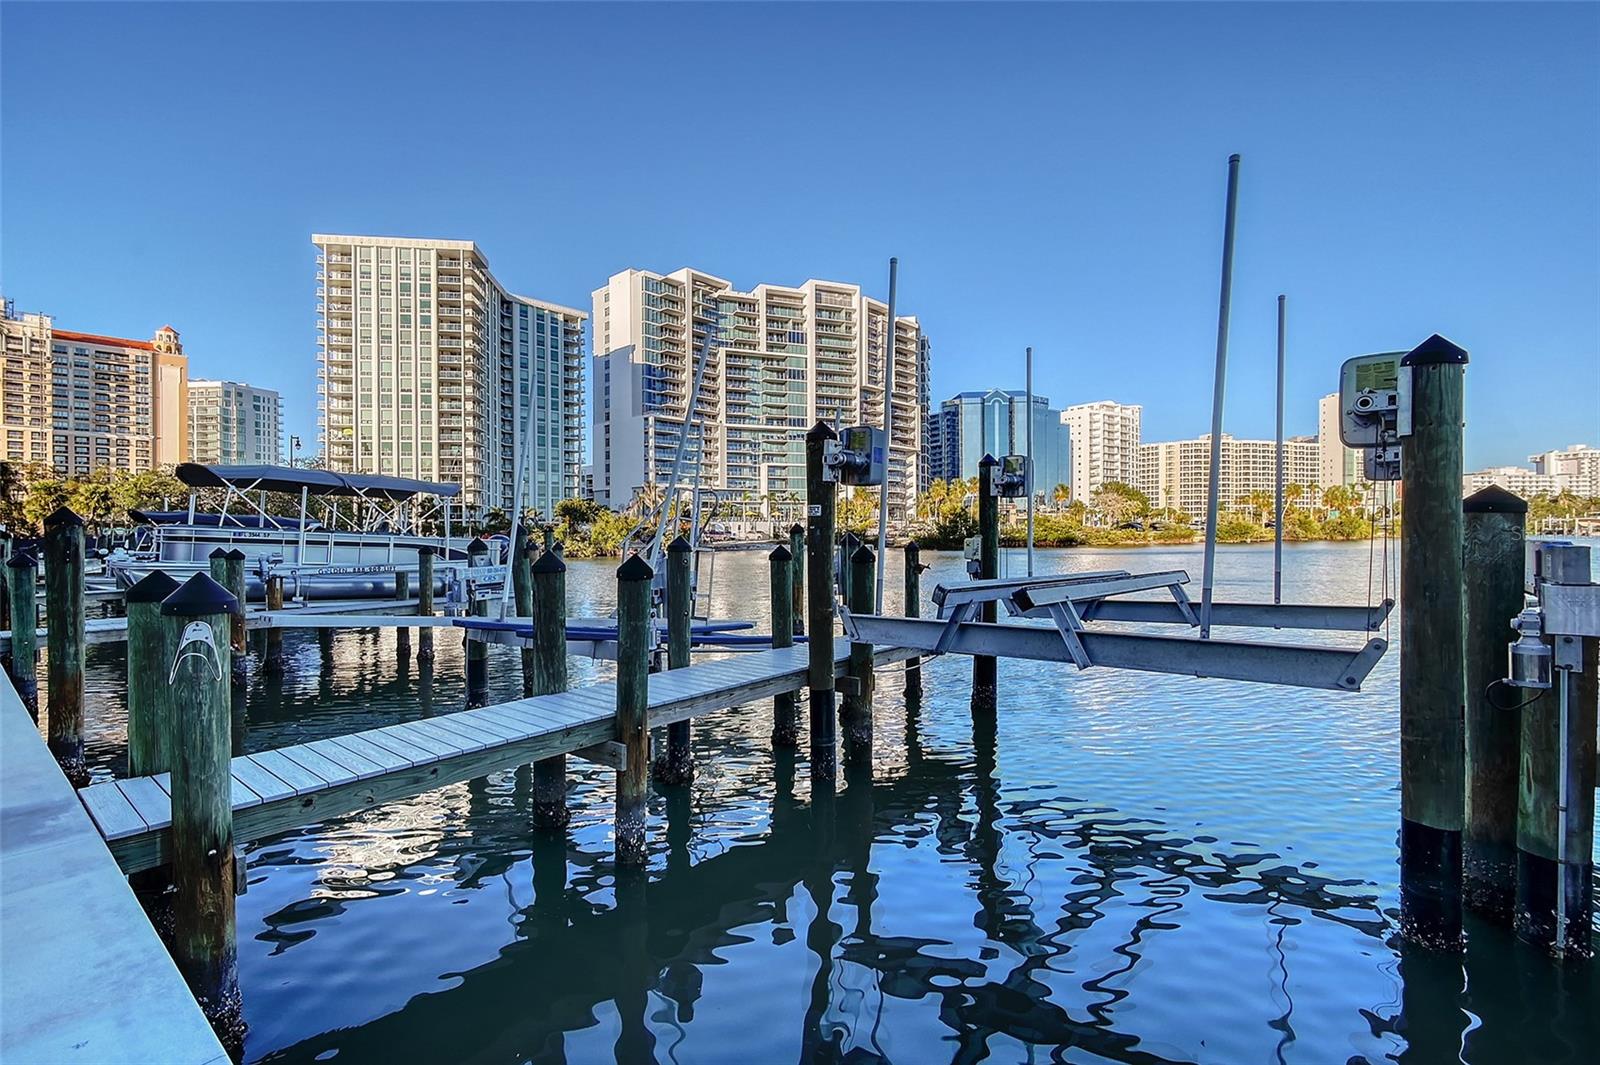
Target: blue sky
(1048, 175)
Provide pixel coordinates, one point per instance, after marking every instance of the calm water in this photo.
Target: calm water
(1130, 867)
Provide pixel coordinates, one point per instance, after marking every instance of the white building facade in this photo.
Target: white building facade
(1176, 474)
(780, 359)
(1576, 468)
(1337, 464)
(1104, 441)
(430, 367)
(231, 422)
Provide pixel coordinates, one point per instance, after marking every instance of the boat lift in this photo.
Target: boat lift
(1076, 603)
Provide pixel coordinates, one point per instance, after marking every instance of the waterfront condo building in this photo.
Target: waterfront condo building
(1337, 464)
(1576, 468)
(1177, 473)
(79, 402)
(780, 358)
(233, 423)
(1105, 444)
(969, 425)
(429, 368)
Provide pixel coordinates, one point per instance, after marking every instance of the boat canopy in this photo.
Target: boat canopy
(317, 482)
(231, 521)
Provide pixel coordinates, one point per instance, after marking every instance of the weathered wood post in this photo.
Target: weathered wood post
(549, 532)
(204, 947)
(785, 705)
(22, 578)
(847, 548)
(676, 764)
(402, 592)
(63, 611)
(819, 605)
(797, 557)
(522, 598)
(5, 582)
(1432, 650)
(274, 602)
(985, 673)
(1492, 550)
(425, 602)
(633, 698)
(857, 712)
(150, 655)
(550, 676)
(913, 609)
(477, 650)
(236, 630)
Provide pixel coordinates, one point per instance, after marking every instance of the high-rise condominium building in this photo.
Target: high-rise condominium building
(81, 401)
(1177, 473)
(234, 423)
(781, 358)
(1337, 464)
(429, 368)
(1105, 444)
(1576, 468)
(925, 408)
(969, 425)
(1517, 479)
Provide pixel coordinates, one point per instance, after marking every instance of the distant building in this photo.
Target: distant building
(1518, 479)
(969, 425)
(82, 401)
(1177, 473)
(1104, 440)
(1336, 463)
(1576, 468)
(429, 366)
(783, 357)
(924, 407)
(233, 423)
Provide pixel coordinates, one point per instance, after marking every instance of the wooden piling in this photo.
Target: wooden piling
(985, 671)
(522, 599)
(477, 650)
(22, 577)
(5, 582)
(913, 609)
(274, 601)
(819, 605)
(402, 592)
(549, 588)
(203, 871)
(857, 713)
(425, 602)
(797, 560)
(63, 610)
(633, 720)
(1432, 650)
(236, 628)
(785, 705)
(1492, 550)
(150, 655)
(676, 764)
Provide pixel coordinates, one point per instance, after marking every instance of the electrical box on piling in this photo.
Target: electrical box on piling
(858, 457)
(1375, 406)
(1012, 480)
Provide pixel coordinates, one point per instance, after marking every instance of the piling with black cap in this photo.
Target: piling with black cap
(236, 630)
(199, 615)
(1493, 552)
(64, 639)
(522, 599)
(402, 592)
(549, 577)
(985, 673)
(633, 694)
(274, 598)
(22, 576)
(477, 650)
(797, 579)
(785, 705)
(150, 653)
(913, 609)
(857, 712)
(1432, 650)
(819, 605)
(676, 764)
(425, 601)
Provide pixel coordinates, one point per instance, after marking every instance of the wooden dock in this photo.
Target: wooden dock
(274, 791)
(83, 976)
(333, 614)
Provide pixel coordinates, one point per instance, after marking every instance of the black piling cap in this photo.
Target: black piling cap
(218, 552)
(62, 516)
(199, 597)
(680, 545)
(821, 431)
(1436, 351)
(153, 589)
(21, 560)
(863, 554)
(549, 562)
(988, 460)
(635, 569)
(1494, 500)
(780, 554)
(427, 549)
(236, 555)
(796, 528)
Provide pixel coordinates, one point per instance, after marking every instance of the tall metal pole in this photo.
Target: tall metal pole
(1214, 486)
(888, 441)
(1277, 521)
(1030, 460)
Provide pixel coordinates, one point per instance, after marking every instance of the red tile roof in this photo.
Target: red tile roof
(96, 338)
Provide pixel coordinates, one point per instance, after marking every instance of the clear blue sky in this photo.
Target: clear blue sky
(1047, 175)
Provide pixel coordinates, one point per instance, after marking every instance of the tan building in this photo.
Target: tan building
(82, 401)
(429, 366)
(1177, 473)
(781, 358)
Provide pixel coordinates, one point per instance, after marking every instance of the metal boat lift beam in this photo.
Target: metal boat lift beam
(1243, 615)
(1261, 663)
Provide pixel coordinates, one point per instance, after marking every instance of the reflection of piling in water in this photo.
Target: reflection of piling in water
(785, 705)
(857, 710)
(985, 672)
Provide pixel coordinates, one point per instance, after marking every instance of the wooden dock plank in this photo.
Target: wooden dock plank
(260, 780)
(148, 798)
(478, 720)
(457, 743)
(290, 772)
(362, 747)
(332, 773)
(113, 814)
(242, 794)
(409, 733)
(411, 752)
(479, 738)
(360, 765)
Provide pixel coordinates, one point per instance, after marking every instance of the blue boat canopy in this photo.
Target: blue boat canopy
(317, 482)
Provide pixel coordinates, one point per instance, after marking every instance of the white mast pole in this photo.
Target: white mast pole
(1214, 487)
(888, 440)
(1030, 461)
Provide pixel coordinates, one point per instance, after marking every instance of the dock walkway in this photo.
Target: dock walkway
(277, 790)
(83, 976)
